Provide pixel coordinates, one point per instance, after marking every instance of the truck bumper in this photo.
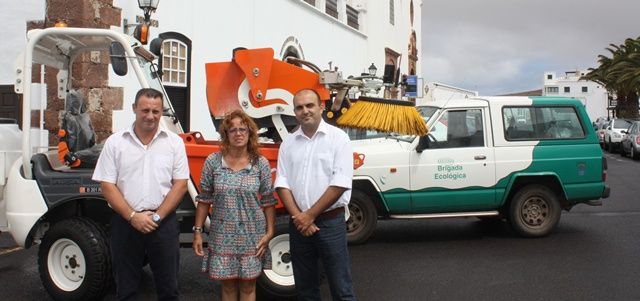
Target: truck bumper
(606, 192)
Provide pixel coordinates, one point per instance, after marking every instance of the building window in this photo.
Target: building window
(391, 13)
(549, 76)
(552, 89)
(352, 17)
(585, 89)
(312, 2)
(331, 8)
(174, 63)
(567, 89)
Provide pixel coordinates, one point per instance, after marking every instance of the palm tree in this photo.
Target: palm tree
(620, 75)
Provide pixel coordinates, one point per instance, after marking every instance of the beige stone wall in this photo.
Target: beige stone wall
(90, 72)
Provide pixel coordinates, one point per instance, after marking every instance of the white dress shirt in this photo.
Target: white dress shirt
(308, 166)
(143, 174)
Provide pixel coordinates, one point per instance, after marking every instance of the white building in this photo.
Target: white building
(347, 34)
(593, 95)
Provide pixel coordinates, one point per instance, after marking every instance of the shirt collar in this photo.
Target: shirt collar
(323, 127)
(224, 164)
(129, 131)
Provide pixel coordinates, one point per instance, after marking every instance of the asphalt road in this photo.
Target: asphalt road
(592, 255)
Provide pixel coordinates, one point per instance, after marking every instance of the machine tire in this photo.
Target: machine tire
(634, 154)
(534, 211)
(278, 281)
(74, 260)
(610, 147)
(362, 218)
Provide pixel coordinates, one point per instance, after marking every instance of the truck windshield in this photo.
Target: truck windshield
(357, 134)
(426, 112)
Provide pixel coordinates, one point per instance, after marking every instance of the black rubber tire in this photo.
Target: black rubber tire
(85, 239)
(610, 147)
(363, 218)
(267, 288)
(534, 211)
(621, 151)
(634, 155)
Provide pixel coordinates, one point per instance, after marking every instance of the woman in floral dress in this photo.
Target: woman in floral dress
(236, 182)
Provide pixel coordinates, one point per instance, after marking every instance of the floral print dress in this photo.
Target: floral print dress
(237, 219)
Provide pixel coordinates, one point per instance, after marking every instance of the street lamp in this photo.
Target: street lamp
(141, 32)
(148, 6)
(372, 70)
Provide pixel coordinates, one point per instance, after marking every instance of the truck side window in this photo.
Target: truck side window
(541, 123)
(458, 128)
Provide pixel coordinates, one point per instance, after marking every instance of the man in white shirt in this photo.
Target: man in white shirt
(314, 178)
(143, 174)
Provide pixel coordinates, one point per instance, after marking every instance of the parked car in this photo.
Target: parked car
(613, 134)
(600, 122)
(631, 142)
(600, 130)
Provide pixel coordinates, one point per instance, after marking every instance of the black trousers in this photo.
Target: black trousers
(129, 248)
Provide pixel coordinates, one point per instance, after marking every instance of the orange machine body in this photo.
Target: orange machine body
(225, 93)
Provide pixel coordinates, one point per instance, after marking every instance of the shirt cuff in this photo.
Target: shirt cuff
(104, 179)
(281, 182)
(205, 197)
(341, 181)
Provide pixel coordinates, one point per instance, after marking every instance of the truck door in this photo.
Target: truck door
(456, 172)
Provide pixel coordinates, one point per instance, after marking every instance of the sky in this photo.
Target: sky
(503, 46)
(12, 43)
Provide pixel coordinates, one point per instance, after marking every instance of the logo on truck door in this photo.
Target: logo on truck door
(358, 160)
(447, 169)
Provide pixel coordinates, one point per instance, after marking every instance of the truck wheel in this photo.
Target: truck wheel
(278, 281)
(534, 211)
(363, 218)
(74, 260)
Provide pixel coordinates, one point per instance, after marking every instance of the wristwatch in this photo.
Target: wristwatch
(197, 229)
(156, 218)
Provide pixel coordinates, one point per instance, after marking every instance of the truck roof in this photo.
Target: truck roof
(502, 101)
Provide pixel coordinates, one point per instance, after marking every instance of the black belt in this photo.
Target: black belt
(330, 214)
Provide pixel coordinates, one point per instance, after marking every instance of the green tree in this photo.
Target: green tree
(620, 75)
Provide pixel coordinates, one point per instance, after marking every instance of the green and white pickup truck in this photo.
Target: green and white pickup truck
(519, 158)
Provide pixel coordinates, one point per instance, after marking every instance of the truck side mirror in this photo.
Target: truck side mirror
(156, 46)
(118, 59)
(423, 143)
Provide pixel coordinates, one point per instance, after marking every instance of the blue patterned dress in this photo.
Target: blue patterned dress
(237, 219)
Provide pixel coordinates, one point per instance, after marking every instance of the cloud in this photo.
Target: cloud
(499, 46)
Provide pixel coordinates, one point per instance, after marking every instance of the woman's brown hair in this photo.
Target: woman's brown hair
(252, 133)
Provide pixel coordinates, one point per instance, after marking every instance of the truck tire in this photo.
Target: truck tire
(363, 218)
(534, 211)
(610, 147)
(74, 260)
(278, 281)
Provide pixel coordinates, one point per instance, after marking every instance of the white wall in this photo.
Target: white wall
(595, 99)
(14, 15)
(216, 27)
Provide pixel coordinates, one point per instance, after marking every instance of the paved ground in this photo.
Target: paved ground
(593, 255)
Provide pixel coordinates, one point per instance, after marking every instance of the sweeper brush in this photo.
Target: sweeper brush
(384, 115)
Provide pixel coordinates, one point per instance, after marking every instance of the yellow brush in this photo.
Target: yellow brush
(384, 115)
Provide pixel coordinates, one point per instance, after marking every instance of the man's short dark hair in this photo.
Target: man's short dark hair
(148, 92)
